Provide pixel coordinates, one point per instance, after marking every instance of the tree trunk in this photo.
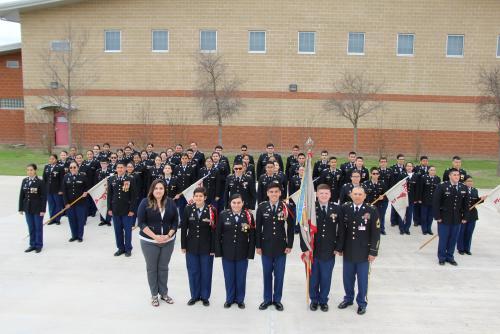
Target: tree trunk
(219, 130)
(355, 138)
(70, 138)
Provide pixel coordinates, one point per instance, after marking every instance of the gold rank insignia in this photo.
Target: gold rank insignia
(245, 227)
(366, 216)
(378, 223)
(126, 186)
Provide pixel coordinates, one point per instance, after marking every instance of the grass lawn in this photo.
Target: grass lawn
(13, 162)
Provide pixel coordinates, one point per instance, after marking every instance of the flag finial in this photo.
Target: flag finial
(309, 145)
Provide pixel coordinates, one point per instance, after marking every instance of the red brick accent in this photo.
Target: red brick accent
(11, 85)
(11, 126)
(264, 95)
(338, 141)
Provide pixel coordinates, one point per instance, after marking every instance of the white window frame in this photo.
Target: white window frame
(463, 46)
(168, 41)
(364, 43)
(413, 45)
(298, 43)
(112, 30)
(265, 41)
(216, 41)
(498, 47)
(12, 64)
(13, 103)
(60, 41)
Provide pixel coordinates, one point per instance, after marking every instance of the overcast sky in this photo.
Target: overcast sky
(9, 32)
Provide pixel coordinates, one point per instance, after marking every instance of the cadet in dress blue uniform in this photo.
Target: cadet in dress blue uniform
(212, 182)
(238, 183)
(100, 175)
(320, 165)
(121, 205)
(292, 161)
(53, 175)
(185, 175)
(170, 182)
(155, 172)
(32, 203)
(198, 156)
(360, 168)
(375, 190)
(412, 181)
(244, 151)
(397, 174)
(359, 242)
(223, 170)
(248, 168)
(264, 158)
(450, 209)
(465, 230)
(345, 192)
(347, 166)
(265, 180)
(198, 243)
(456, 163)
(333, 177)
(274, 240)
(235, 243)
(74, 186)
(427, 187)
(328, 220)
(90, 166)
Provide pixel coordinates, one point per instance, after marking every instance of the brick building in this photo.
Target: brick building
(426, 52)
(11, 95)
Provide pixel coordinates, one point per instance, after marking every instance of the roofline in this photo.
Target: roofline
(10, 11)
(10, 48)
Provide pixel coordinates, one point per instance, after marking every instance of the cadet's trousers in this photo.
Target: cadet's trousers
(321, 280)
(235, 279)
(77, 216)
(181, 205)
(56, 204)
(448, 234)
(273, 265)
(123, 232)
(417, 209)
(199, 268)
(351, 272)
(157, 258)
(426, 218)
(381, 209)
(404, 225)
(465, 236)
(35, 228)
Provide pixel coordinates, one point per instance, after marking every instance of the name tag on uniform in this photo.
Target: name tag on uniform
(191, 218)
(265, 214)
(227, 222)
(79, 181)
(206, 220)
(362, 228)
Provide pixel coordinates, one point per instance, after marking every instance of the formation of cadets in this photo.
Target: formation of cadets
(246, 209)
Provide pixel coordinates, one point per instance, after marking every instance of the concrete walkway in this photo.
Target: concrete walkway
(82, 288)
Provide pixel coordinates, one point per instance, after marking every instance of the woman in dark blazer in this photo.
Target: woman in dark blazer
(198, 243)
(157, 219)
(235, 243)
(32, 203)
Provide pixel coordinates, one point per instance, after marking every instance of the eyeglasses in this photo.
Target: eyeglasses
(73, 167)
(375, 173)
(243, 150)
(238, 168)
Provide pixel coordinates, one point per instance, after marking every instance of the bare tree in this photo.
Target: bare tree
(488, 106)
(66, 75)
(145, 119)
(354, 97)
(218, 91)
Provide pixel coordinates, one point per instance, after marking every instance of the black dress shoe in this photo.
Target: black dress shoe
(401, 232)
(468, 253)
(461, 252)
(128, 254)
(430, 233)
(192, 301)
(227, 305)
(279, 306)
(38, 250)
(407, 232)
(119, 252)
(58, 223)
(441, 263)
(361, 310)
(101, 224)
(313, 306)
(241, 305)
(72, 239)
(29, 249)
(424, 233)
(383, 233)
(52, 223)
(452, 262)
(324, 307)
(109, 224)
(205, 302)
(80, 240)
(264, 305)
(344, 304)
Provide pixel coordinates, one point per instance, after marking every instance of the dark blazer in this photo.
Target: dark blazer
(472, 198)
(373, 191)
(235, 240)
(33, 196)
(263, 158)
(426, 188)
(274, 231)
(120, 199)
(360, 234)
(264, 182)
(450, 204)
(245, 187)
(212, 183)
(185, 176)
(148, 217)
(333, 179)
(53, 177)
(171, 187)
(198, 232)
(325, 240)
(73, 187)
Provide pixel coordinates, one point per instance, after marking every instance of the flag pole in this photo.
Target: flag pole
(308, 276)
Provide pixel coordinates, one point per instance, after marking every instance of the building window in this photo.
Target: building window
(257, 41)
(455, 46)
(405, 44)
(12, 64)
(60, 46)
(307, 42)
(356, 43)
(11, 103)
(113, 41)
(160, 40)
(498, 47)
(208, 41)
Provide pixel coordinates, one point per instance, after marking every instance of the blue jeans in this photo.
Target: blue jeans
(321, 280)
(56, 204)
(200, 269)
(353, 271)
(77, 216)
(123, 232)
(465, 236)
(35, 228)
(273, 265)
(235, 278)
(448, 235)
